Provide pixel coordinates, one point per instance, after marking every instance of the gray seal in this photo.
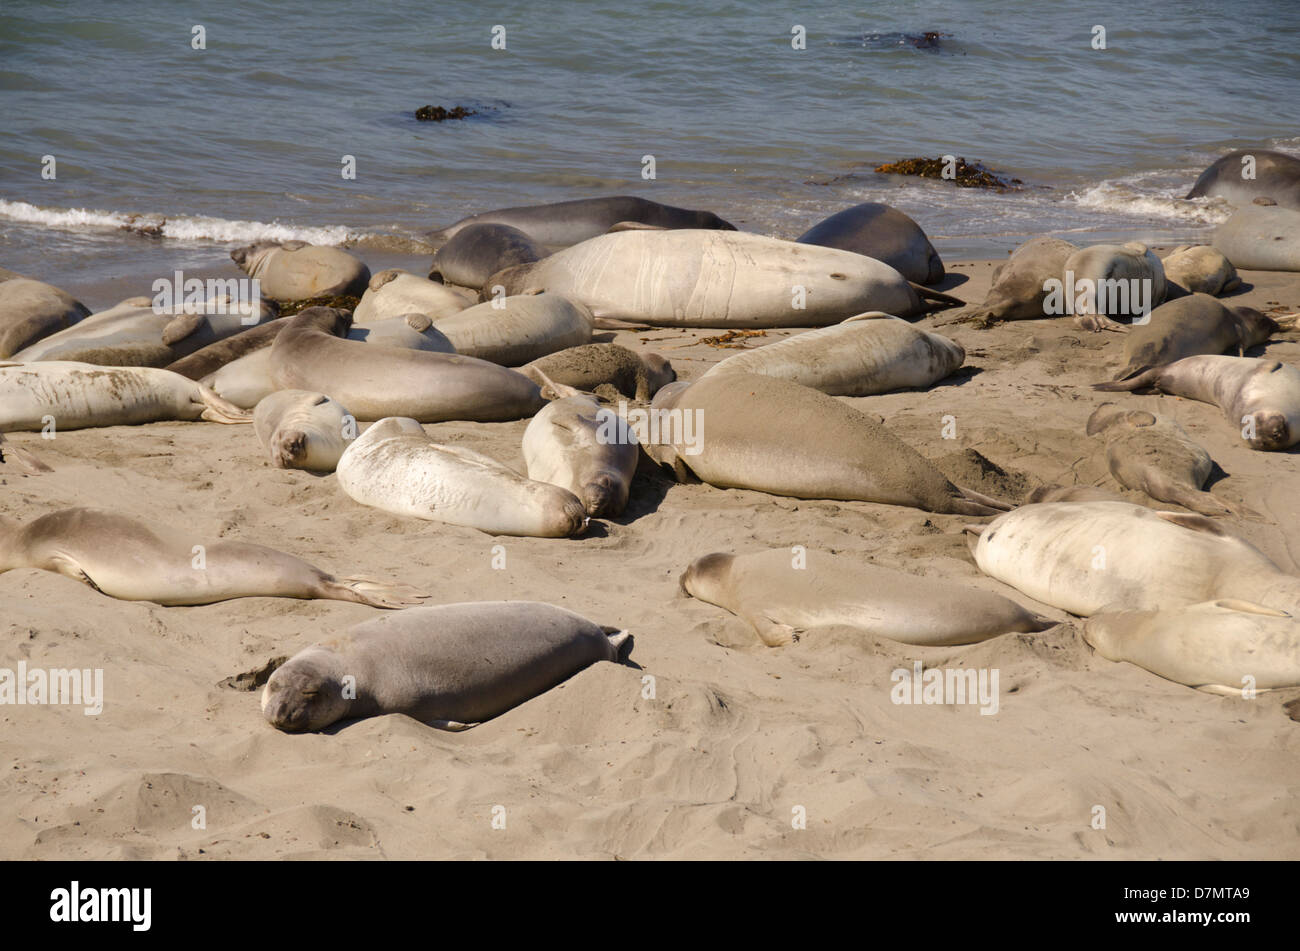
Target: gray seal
(1261, 237)
(1018, 291)
(1277, 176)
(476, 252)
(296, 270)
(633, 375)
(32, 310)
(1192, 325)
(882, 232)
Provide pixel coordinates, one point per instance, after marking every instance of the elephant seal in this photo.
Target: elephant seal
(1200, 269)
(1190, 326)
(717, 279)
(396, 467)
(1019, 291)
(135, 333)
(778, 597)
(1217, 646)
(1260, 238)
(1111, 280)
(207, 361)
(743, 431)
(1082, 557)
(133, 561)
(302, 430)
(1153, 454)
(395, 293)
(881, 232)
(516, 330)
(567, 223)
(1260, 396)
(452, 666)
(83, 396)
(375, 381)
(32, 310)
(1277, 176)
(580, 446)
(635, 376)
(296, 270)
(476, 252)
(866, 354)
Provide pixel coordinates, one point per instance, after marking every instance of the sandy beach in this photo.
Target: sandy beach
(709, 744)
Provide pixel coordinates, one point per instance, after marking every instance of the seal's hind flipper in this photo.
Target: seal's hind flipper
(987, 501)
(377, 594)
(621, 641)
(936, 299)
(218, 410)
(455, 726)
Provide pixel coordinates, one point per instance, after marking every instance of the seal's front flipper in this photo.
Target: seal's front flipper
(67, 565)
(773, 633)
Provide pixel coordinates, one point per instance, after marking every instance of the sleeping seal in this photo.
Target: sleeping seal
(477, 252)
(396, 467)
(881, 232)
(633, 375)
(1018, 291)
(1200, 270)
(32, 310)
(1262, 397)
(743, 431)
(134, 561)
(779, 598)
(866, 354)
(515, 330)
(302, 430)
(1192, 325)
(1112, 280)
(1218, 646)
(1261, 237)
(579, 445)
(296, 270)
(452, 666)
(394, 293)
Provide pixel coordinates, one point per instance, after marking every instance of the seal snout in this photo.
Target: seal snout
(1271, 432)
(289, 449)
(603, 495)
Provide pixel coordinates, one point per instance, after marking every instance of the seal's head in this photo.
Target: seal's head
(706, 576)
(304, 695)
(1271, 432)
(659, 373)
(288, 448)
(603, 493)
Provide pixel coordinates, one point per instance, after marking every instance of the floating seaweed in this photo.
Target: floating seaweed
(439, 114)
(966, 174)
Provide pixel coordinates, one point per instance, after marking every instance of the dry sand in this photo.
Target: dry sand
(736, 736)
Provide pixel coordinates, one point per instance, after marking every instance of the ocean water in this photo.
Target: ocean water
(245, 139)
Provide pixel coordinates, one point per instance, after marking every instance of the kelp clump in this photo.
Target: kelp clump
(966, 174)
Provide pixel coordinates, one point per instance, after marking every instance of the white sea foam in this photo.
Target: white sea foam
(1127, 197)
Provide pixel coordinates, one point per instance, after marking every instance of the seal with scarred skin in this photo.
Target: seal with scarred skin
(1218, 646)
(866, 354)
(396, 467)
(882, 232)
(83, 396)
(1155, 455)
(1276, 175)
(743, 431)
(132, 560)
(1199, 269)
(1261, 237)
(516, 330)
(635, 376)
(1082, 557)
(1123, 280)
(296, 270)
(395, 293)
(780, 595)
(1193, 325)
(1261, 397)
(728, 279)
(566, 223)
(135, 333)
(374, 381)
(452, 666)
(32, 310)
(579, 445)
(1018, 291)
(476, 252)
(302, 430)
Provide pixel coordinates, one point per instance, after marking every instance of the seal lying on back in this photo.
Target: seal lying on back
(634, 375)
(302, 430)
(743, 431)
(296, 270)
(1192, 325)
(881, 232)
(1018, 292)
(1200, 270)
(1262, 238)
(81, 396)
(134, 561)
(567, 222)
(1276, 176)
(31, 310)
(718, 279)
(579, 445)
(516, 330)
(477, 252)
(396, 467)
(375, 381)
(452, 666)
(1260, 396)
(777, 595)
(1218, 646)
(1155, 455)
(1082, 557)
(870, 353)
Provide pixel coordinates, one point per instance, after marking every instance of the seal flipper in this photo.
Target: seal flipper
(455, 726)
(181, 327)
(218, 410)
(971, 502)
(1144, 380)
(67, 565)
(620, 641)
(936, 299)
(377, 594)
(772, 633)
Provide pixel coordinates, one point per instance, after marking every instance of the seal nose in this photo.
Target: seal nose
(601, 495)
